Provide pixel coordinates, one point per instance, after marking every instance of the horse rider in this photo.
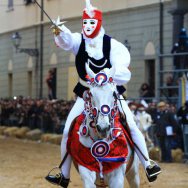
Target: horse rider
(102, 51)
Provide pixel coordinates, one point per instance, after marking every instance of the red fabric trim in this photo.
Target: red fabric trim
(82, 155)
(97, 15)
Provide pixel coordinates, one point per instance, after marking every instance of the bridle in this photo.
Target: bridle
(92, 112)
(104, 110)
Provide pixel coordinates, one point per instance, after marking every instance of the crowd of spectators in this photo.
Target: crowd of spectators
(155, 120)
(44, 114)
(161, 123)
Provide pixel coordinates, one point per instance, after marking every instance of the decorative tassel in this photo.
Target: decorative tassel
(89, 8)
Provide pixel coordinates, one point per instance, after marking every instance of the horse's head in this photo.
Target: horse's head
(101, 101)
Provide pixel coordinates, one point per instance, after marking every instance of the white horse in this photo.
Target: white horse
(99, 132)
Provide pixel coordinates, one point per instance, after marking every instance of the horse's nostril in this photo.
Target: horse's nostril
(108, 128)
(98, 128)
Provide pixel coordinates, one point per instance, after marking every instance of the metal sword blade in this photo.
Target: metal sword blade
(44, 12)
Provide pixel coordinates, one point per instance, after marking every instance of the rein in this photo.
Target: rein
(127, 126)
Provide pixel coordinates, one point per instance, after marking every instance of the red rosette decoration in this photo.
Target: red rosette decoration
(100, 149)
(100, 76)
(105, 109)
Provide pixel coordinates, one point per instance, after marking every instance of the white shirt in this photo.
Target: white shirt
(119, 55)
(144, 121)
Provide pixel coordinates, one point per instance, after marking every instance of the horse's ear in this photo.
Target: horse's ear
(112, 71)
(86, 95)
(89, 71)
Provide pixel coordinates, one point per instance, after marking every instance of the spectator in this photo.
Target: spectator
(51, 83)
(152, 110)
(169, 83)
(133, 108)
(0, 112)
(182, 115)
(48, 124)
(144, 122)
(146, 92)
(166, 128)
(180, 62)
(53, 72)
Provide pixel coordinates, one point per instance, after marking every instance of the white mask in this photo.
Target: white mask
(89, 26)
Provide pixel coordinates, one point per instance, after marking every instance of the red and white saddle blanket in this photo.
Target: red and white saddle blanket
(82, 155)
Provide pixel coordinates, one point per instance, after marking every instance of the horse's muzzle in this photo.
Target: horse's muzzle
(103, 131)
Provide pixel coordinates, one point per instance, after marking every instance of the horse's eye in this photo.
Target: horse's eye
(95, 112)
(92, 22)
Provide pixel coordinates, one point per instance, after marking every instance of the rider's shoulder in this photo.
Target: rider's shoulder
(115, 44)
(77, 36)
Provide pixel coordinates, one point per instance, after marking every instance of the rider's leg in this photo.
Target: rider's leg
(136, 134)
(76, 110)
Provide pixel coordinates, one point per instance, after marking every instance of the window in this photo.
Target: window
(10, 84)
(150, 73)
(30, 83)
(27, 2)
(10, 5)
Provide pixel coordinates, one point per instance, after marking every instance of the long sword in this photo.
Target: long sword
(54, 24)
(44, 12)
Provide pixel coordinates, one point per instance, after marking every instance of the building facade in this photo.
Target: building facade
(137, 21)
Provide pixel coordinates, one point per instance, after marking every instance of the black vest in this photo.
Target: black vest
(96, 65)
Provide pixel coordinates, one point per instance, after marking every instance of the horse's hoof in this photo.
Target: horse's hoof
(58, 179)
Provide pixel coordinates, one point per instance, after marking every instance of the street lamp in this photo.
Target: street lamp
(16, 40)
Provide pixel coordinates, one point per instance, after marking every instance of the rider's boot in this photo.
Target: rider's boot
(58, 179)
(62, 179)
(152, 171)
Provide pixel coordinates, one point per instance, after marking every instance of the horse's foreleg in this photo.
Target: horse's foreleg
(132, 176)
(88, 177)
(116, 178)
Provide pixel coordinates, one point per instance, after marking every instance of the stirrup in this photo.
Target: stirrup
(152, 171)
(58, 178)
